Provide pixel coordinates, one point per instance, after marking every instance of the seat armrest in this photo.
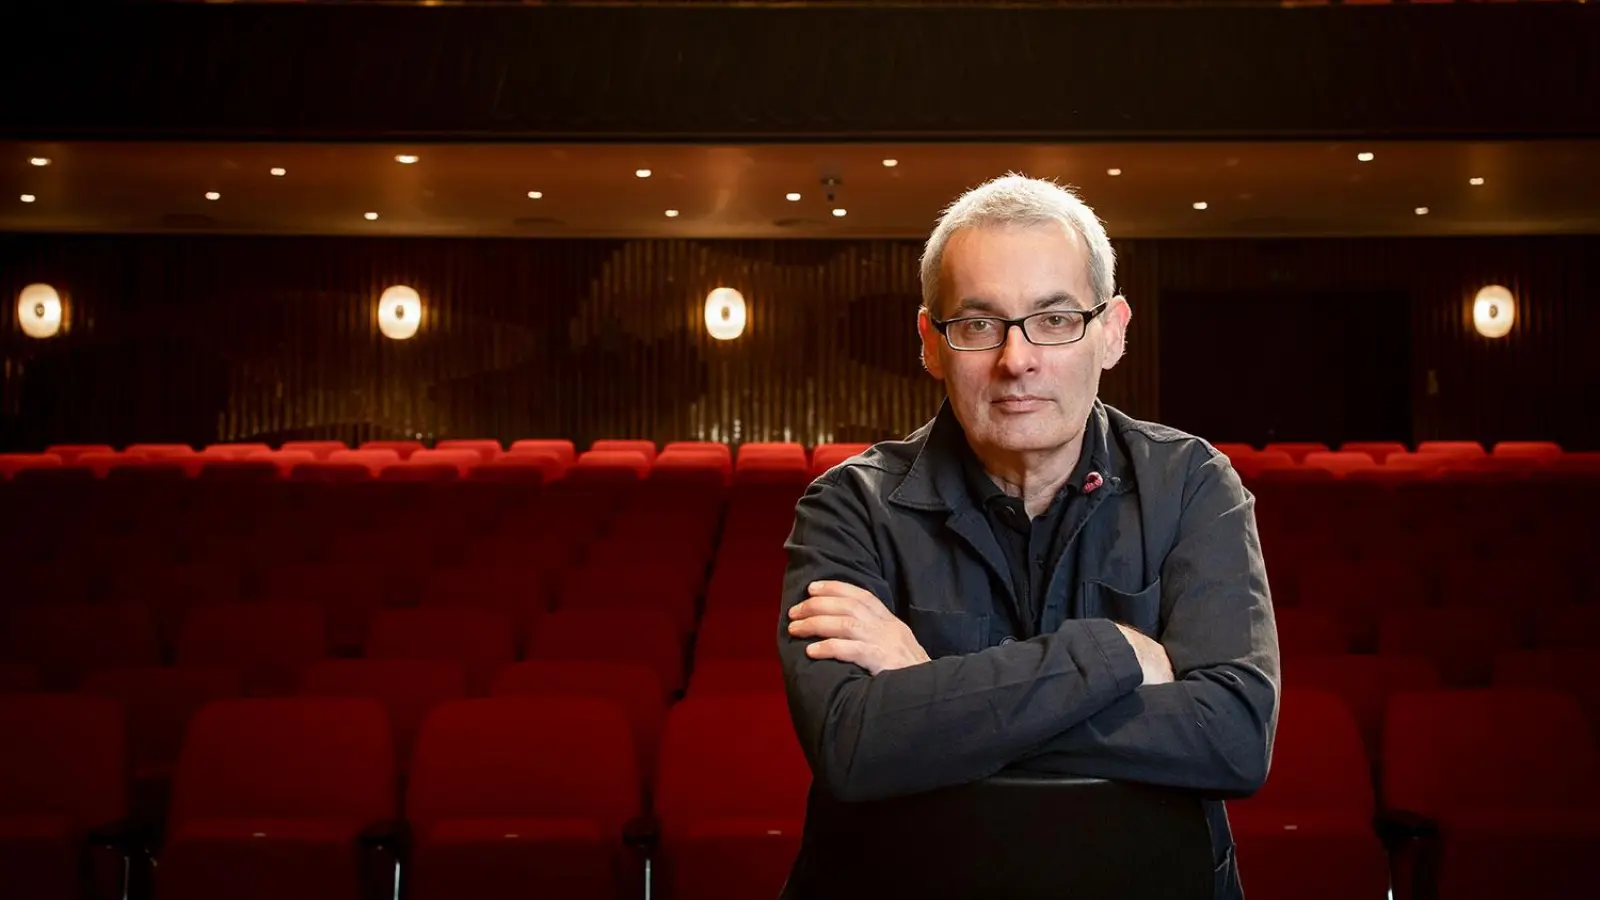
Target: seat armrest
(642, 833)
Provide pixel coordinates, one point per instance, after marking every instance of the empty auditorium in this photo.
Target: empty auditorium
(792, 449)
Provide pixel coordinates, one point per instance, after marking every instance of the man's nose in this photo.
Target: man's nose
(1018, 354)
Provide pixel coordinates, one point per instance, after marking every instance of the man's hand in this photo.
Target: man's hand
(853, 627)
(1152, 656)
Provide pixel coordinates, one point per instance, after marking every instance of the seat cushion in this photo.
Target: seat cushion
(261, 859)
(489, 859)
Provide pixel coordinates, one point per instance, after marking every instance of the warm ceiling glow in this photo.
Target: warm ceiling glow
(725, 314)
(840, 212)
(641, 173)
(536, 195)
(279, 171)
(27, 198)
(672, 214)
(890, 163)
(1365, 157)
(1201, 204)
(40, 161)
(213, 195)
(399, 312)
(1493, 311)
(1422, 210)
(1475, 182)
(371, 217)
(39, 311)
(405, 159)
(791, 196)
(1113, 172)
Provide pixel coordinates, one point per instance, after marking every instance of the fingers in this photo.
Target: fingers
(826, 627)
(826, 606)
(869, 604)
(854, 652)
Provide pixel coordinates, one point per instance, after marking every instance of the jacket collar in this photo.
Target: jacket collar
(936, 481)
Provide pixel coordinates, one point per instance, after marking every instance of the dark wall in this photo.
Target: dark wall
(220, 338)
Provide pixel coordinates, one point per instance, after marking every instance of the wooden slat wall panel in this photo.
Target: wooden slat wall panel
(209, 338)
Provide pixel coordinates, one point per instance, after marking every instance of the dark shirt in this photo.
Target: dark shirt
(1033, 548)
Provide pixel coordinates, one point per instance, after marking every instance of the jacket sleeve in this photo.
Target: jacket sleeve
(1211, 730)
(945, 722)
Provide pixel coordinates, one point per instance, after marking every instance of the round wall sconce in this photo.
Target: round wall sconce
(725, 314)
(399, 312)
(1494, 311)
(39, 311)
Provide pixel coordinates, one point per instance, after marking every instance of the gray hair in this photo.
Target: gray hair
(1017, 200)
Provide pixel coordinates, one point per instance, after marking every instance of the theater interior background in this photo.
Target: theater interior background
(385, 382)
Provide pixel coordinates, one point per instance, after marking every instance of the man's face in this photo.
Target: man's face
(1018, 397)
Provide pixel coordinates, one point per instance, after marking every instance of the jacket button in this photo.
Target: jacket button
(1008, 639)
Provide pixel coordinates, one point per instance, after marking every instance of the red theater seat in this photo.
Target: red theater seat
(269, 643)
(1462, 643)
(1378, 450)
(487, 450)
(408, 690)
(826, 456)
(69, 453)
(1450, 448)
(1357, 593)
(271, 797)
(402, 449)
(1568, 671)
(645, 636)
(514, 797)
(318, 449)
(647, 449)
(709, 448)
(160, 702)
(736, 676)
(348, 593)
(62, 773)
(11, 463)
(1365, 682)
(462, 457)
(634, 688)
(481, 642)
(375, 460)
(1308, 632)
(68, 642)
(611, 466)
(233, 451)
(159, 451)
(1307, 834)
(731, 798)
(1510, 776)
(1341, 463)
(1297, 450)
(562, 450)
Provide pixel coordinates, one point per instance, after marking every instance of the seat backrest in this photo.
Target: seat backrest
(486, 449)
(1365, 681)
(736, 676)
(730, 757)
(525, 757)
(1451, 448)
(271, 643)
(1378, 450)
(318, 449)
(1318, 760)
(647, 449)
(160, 702)
(479, 640)
(69, 641)
(294, 758)
(403, 449)
(408, 689)
(1297, 450)
(633, 687)
(562, 449)
(63, 755)
(709, 448)
(1494, 749)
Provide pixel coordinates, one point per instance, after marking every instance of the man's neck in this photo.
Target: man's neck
(1035, 477)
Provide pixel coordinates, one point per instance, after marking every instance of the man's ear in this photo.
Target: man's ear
(930, 345)
(1115, 332)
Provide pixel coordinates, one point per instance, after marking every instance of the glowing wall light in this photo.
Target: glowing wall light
(1494, 311)
(39, 311)
(399, 312)
(725, 314)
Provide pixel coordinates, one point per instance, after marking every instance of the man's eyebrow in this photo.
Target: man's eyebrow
(985, 307)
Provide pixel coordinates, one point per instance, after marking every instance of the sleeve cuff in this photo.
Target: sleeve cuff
(1121, 661)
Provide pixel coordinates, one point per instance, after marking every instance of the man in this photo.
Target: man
(1033, 579)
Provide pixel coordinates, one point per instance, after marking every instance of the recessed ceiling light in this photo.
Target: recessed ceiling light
(1201, 204)
(791, 196)
(28, 198)
(840, 212)
(371, 217)
(1113, 172)
(641, 173)
(40, 161)
(213, 195)
(1422, 210)
(890, 163)
(1365, 156)
(279, 171)
(536, 195)
(405, 159)
(1475, 182)
(672, 214)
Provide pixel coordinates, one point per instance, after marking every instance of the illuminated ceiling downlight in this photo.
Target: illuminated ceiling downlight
(1494, 311)
(39, 311)
(725, 314)
(399, 312)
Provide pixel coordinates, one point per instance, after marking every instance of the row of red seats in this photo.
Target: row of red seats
(411, 461)
(1481, 794)
(1380, 450)
(503, 797)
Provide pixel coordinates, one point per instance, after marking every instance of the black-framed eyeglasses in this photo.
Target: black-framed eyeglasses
(1050, 328)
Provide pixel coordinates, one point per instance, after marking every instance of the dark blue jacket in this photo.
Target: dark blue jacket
(1168, 546)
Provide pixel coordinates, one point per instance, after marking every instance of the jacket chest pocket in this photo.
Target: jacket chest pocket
(946, 632)
(1140, 610)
